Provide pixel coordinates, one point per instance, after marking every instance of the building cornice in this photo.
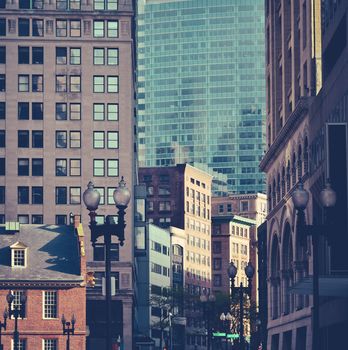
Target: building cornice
(42, 284)
(285, 134)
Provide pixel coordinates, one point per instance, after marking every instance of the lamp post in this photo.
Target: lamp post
(232, 272)
(300, 198)
(3, 326)
(67, 330)
(226, 325)
(91, 198)
(208, 307)
(16, 312)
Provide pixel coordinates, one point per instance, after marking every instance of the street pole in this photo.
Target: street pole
(107, 241)
(68, 341)
(241, 317)
(315, 330)
(15, 333)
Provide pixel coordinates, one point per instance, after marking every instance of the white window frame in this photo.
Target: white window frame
(13, 250)
(44, 305)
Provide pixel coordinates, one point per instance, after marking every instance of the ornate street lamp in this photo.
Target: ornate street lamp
(68, 329)
(208, 302)
(91, 198)
(300, 198)
(232, 272)
(3, 326)
(17, 311)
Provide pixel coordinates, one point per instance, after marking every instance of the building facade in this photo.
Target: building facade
(201, 87)
(34, 264)
(66, 117)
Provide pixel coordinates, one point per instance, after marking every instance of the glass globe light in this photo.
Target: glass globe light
(122, 194)
(328, 196)
(91, 197)
(300, 197)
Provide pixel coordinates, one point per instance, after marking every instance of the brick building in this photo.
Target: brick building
(47, 264)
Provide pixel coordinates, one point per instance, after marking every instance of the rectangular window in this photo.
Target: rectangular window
(23, 110)
(99, 5)
(98, 111)
(23, 27)
(37, 167)
(98, 139)
(98, 28)
(61, 4)
(2, 138)
(37, 55)
(23, 194)
(61, 55)
(23, 167)
(61, 85)
(2, 194)
(112, 57)
(2, 166)
(98, 83)
(2, 110)
(61, 139)
(37, 139)
(2, 54)
(2, 26)
(98, 167)
(61, 28)
(101, 191)
(75, 111)
(23, 138)
(75, 195)
(2, 82)
(75, 28)
(61, 195)
(18, 294)
(112, 139)
(37, 83)
(61, 219)
(111, 191)
(75, 83)
(61, 167)
(24, 4)
(112, 167)
(50, 344)
(23, 83)
(75, 167)
(75, 56)
(37, 111)
(23, 55)
(23, 219)
(61, 111)
(75, 4)
(50, 307)
(38, 27)
(112, 83)
(112, 30)
(37, 195)
(98, 56)
(75, 139)
(113, 111)
(37, 219)
(37, 4)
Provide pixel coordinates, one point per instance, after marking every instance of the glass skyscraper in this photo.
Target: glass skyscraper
(201, 86)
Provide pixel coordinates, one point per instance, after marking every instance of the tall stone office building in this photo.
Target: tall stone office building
(66, 117)
(201, 88)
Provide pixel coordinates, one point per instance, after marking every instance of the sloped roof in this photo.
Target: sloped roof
(52, 250)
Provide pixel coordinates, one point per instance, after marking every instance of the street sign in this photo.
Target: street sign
(229, 336)
(219, 334)
(233, 336)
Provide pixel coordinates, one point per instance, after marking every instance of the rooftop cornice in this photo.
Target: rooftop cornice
(41, 284)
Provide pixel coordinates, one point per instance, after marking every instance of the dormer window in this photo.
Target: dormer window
(18, 255)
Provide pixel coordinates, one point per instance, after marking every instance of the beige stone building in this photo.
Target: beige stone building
(66, 117)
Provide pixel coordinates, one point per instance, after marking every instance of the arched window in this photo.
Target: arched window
(305, 156)
(283, 182)
(287, 271)
(293, 170)
(278, 188)
(299, 162)
(274, 199)
(269, 197)
(275, 279)
(288, 177)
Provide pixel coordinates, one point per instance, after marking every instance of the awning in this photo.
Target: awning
(329, 286)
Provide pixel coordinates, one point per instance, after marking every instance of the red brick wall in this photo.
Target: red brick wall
(34, 328)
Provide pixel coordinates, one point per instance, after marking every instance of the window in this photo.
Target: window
(2, 166)
(62, 4)
(18, 294)
(112, 30)
(75, 195)
(244, 206)
(217, 280)
(229, 208)
(112, 57)
(50, 307)
(2, 82)
(61, 219)
(112, 83)
(2, 54)
(23, 167)
(37, 219)
(2, 110)
(37, 83)
(217, 264)
(61, 111)
(61, 139)
(61, 195)
(101, 191)
(98, 56)
(23, 219)
(98, 111)
(37, 111)
(23, 27)
(23, 138)
(98, 29)
(75, 83)
(75, 111)
(23, 110)
(75, 28)
(37, 195)
(61, 28)
(110, 193)
(112, 111)
(112, 139)
(23, 194)
(61, 55)
(164, 206)
(37, 167)
(75, 167)
(221, 208)
(18, 259)
(37, 55)
(2, 138)
(98, 167)
(2, 26)
(98, 139)
(23, 55)
(61, 83)
(30, 4)
(112, 167)
(61, 167)
(75, 56)
(23, 83)
(98, 83)
(75, 139)
(38, 27)
(37, 139)
(217, 247)
(2, 194)
(99, 252)
(50, 344)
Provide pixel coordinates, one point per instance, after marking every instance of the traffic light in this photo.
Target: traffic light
(90, 279)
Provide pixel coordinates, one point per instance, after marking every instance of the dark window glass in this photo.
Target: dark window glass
(61, 167)
(24, 4)
(23, 195)
(37, 195)
(37, 219)
(37, 139)
(2, 54)
(23, 54)
(37, 4)
(37, 83)
(99, 252)
(2, 166)
(61, 139)
(23, 167)
(2, 26)
(61, 111)
(61, 27)
(37, 111)
(61, 220)
(23, 110)
(23, 27)
(2, 219)
(2, 4)
(2, 194)
(61, 195)
(62, 4)
(2, 110)
(2, 138)
(23, 138)
(37, 55)
(37, 167)
(38, 27)
(2, 82)
(61, 55)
